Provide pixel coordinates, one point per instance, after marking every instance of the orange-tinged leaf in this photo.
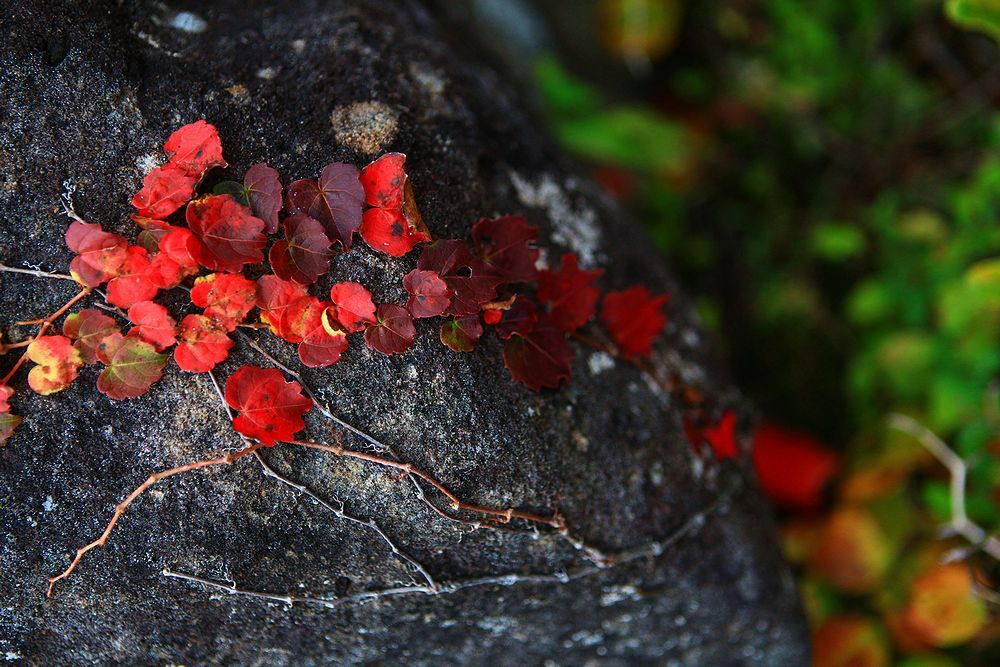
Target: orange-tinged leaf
(164, 190)
(230, 236)
(634, 318)
(100, 254)
(88, 328)
(352, 306)
(943, 609)
(8, 420)
(58, 363)
(153, 324)
(854, 552)
(195, 148)
(849, 641)
(133, 365)
(202, 345)
(274, 296)
(269, 408)
(226, 298)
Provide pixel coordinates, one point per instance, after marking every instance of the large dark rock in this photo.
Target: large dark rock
(90, 91)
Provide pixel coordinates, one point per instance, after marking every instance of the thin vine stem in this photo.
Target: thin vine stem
(45, 324)
(123, 505)
(38, 273)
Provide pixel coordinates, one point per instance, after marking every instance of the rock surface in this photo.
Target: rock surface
(90, 92)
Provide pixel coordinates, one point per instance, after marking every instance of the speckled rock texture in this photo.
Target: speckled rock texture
(90, 91)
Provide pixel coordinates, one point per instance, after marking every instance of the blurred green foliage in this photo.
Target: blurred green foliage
(825, 176)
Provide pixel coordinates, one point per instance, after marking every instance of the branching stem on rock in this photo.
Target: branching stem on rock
(36, 272)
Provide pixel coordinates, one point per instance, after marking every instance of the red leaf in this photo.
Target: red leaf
(722, 436)
(299, 318)
(468, 278)
(58, 363)
(164, 190)
(270, 409)
(264, 187)
(569, 293)
(133, 366)
(634, 318)
(461, 333)
(153, 324)
(335, 201)
(491, 317)
(274, 296)
(230, 236)
(202, 345)
(184, 248)
(352, 306)
(384, 181)
(431, 295)
(507, 246)
(88, 328)
(520, 319)
(133, 284)
(195, 148)
(539, 359)
(323, 341)
(226, 298)
(304, 255)
(386, 230)
(393, 331)
(100, 254)
(8, 421)
(793, 468)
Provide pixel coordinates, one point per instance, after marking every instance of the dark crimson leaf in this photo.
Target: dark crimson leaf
(195, 148)
(507, 246)
(469, 279)
(88, 328)
(431, 295)
(323, 341)
(540, 359)
(352, 306)
(634, 317)
(133, 284)
(164, 190)
(269, 408)
(264, 187)
(133, 365)
(274, 296)
(100, 254)
(226, 298)
(58, 363)
(335, 201)
(393, 331)
(153, 324)
(519, 319)
(230, 236)
(569, 293)
(304, 255)
(461, 333)
(202, 345)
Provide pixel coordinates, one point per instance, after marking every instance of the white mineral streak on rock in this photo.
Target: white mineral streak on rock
(575, 228)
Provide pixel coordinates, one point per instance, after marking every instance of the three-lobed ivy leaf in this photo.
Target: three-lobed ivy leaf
(323, 341)
(269, 408)
(133, 365)
(133, 284)
(461, 333)
(540, 358)
(226, 298)
(507, 246)
(471, 282)
(634, 318)
(8, 420)
(100, 255)
(195, 148)
(164, 190)
(58, 363)
(230, 236)
(274, 296)
(430, 294)
(334, 200)
(393, 331)
(88, 328)
(520, 319)
(569, 293)
(352, 306)
(394, 225)
(304, 254)
(153, 324)
(263, 187)
(202, 344)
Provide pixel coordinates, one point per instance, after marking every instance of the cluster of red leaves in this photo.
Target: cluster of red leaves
(487, 282)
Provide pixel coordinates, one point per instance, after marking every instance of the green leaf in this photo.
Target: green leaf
(979, 15)
(133, 366)
(837, 242)
(235, 189)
